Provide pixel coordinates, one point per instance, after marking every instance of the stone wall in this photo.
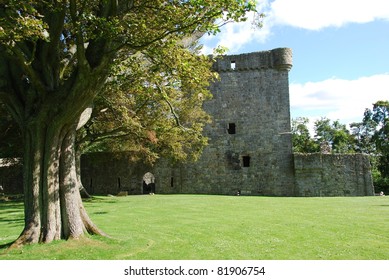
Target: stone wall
(333, 175)
(11, 176)
(112, 173)
(250, 147)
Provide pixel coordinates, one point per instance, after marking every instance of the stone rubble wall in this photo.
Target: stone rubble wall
(333, 175)
(111, 173)
(11, 176)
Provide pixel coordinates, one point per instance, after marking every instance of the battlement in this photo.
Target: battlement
(280, 59)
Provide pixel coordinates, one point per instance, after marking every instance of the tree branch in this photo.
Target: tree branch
(82, 61)
(172, 111)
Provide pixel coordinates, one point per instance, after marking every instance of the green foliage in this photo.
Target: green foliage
(380, 116)
(370, 136)
(335, 133)
(199, 227)
(59, 54)
(363, 133)
(152, 105)
(21, 20)
(376, 123)
(301, 137)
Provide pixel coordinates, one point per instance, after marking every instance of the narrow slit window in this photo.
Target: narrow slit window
(233, 65)
(246, 161)
(231, 128)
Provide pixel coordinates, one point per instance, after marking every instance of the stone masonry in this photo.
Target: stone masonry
(250, 145)
(333, 175)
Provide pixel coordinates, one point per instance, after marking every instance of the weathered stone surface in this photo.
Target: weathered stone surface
(11, 176)
(112, 173)
(333, 175)
(250, 146)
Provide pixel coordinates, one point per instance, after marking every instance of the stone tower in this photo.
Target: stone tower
(250, 146)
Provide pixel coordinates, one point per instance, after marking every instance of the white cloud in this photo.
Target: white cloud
(306, 14)
(314, 15)
(236, 35)
(337, 99)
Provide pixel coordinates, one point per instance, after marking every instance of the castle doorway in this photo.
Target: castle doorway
(148, 185)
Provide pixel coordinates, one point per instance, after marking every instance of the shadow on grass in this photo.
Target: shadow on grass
(100, 212)
(6, 246)
(107, 199)
(11, 215)
(11, 211)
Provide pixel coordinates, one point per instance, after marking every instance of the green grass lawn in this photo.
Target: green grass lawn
(201, 227)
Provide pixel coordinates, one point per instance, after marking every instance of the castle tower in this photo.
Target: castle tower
(250, 146)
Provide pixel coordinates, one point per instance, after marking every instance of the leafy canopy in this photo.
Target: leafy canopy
(155, 86)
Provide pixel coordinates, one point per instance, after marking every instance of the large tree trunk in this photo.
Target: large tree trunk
(53, 205)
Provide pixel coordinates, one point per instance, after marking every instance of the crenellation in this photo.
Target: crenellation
(280, 59)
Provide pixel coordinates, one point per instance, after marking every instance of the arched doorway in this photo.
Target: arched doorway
(148, 184)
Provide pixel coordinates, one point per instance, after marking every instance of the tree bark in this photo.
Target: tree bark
(53, 205)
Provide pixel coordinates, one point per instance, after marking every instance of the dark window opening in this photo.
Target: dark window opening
(119, 185)
(246, 161)
(231, 128)
(233, 65)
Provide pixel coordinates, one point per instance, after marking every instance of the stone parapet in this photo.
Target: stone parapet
(280, 59)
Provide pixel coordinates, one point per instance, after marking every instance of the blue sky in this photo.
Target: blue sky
(340, 52)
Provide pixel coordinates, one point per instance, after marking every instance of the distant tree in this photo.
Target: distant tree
(335, 134)
(301, 137)
(55, 57)
(376, 121)
(363, 134)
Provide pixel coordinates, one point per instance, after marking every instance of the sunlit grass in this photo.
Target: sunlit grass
(218, 227)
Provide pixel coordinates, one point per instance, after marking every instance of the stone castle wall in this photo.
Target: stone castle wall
(314, 175)
(11, 176)
(250, 145)
(111, 173)
(333, 175)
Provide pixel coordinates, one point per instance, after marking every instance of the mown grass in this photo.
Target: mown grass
(201, 227)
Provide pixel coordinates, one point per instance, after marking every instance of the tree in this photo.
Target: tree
(155, 108)
(376, 123)
(55, 57)
(148, 116)
(335, 134)
(301, 137)
(363, 133)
